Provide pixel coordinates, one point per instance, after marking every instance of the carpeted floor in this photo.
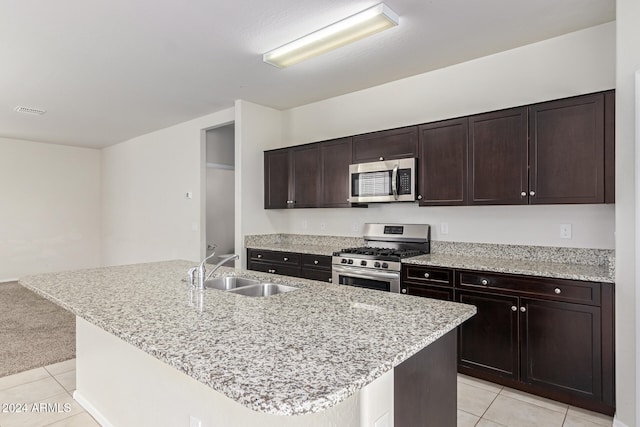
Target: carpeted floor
(33, 331)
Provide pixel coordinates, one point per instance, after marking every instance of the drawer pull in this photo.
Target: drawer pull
(523, 309)
(381, 158)
(426, 275)
(259, 255)
(558, 291)
(523, 194)
(315, 261)
(285, 258)
(404, 291)
(532, 193)
(330, 280)
(484, 282)
(514, 308)
(272, 271)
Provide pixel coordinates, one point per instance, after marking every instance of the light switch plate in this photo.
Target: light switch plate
(444, 228)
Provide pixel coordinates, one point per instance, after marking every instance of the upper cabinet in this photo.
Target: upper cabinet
(308, 176)
(566, 150)
(386, 145)
(442, 166)
(498, 158)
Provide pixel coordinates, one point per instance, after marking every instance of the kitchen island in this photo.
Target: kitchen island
(149, 353)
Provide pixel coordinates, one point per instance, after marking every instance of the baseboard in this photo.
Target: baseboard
(618, 423)
(7, 280)
(97, 415)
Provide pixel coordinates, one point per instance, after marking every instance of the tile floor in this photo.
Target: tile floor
(480, 403)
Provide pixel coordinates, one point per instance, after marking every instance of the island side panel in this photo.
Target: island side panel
(425, 386)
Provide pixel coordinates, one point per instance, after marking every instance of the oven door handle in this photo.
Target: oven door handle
(353, 272)
(394, 181)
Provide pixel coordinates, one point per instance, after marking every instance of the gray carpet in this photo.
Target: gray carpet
(33, 331)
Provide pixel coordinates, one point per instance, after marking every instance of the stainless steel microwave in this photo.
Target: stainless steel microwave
(384, 181)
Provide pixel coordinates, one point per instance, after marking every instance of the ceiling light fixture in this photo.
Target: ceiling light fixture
(355, 27)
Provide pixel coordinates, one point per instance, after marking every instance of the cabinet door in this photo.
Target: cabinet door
(386, 145)
(488, 341)
(335, 158)
(610, 147)
(498, 158)
(276, 179)
(442, 157)
(305, 176)
(566, 155)
(560, 347)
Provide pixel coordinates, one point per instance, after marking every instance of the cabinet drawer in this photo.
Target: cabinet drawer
(285, 270)
(435, 292)
(555, 289)
(427, 275)
(322, 275)
(290, 258)
(316, 261)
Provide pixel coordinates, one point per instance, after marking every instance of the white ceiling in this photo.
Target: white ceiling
(107, 71)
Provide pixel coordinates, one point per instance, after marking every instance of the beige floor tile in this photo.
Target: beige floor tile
(59, 368)
(81, 420)
(573, 421)
(594, 417)
(43, 412)
(536, 400)
(487, 423)
(516, 413)
(23, 378)
(67, 379)
(474, 400)
(477, 382)
(31, 392)
(466, 419)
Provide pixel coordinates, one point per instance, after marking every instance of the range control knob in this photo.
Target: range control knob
(350, 261)
(385, 265)
(343, 260)
(376, 264)
(363, 263)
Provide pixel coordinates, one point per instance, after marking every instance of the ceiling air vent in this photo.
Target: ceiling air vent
(29, 110)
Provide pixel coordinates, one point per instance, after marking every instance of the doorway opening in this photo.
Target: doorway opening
(220, 191)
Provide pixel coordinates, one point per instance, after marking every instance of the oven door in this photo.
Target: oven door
(388, 281)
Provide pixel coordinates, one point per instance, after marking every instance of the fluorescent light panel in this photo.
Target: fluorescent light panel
(355, 27)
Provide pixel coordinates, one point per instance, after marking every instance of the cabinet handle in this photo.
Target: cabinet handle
(272, 271)
(523, 309)
(514, 308)
(426, 275)
(419, 197)
(330, 280)
(404, 291)
(285, 259)
(485, 282)
(523, 194)
(259, 255)
(532, 193)
(558, 291)
(381, 158)
(315, 261)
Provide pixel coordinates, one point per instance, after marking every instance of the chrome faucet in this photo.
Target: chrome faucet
(201, 270)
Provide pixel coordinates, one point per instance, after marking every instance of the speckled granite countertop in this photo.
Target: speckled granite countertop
(592, 273)
(292, 353)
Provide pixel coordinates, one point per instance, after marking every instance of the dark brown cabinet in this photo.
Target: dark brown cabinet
(442, 154)
(386, 145)
(314, 267)
(550, 337)
(308, 176)
(276, 179)
(566, 151)
(498, 158)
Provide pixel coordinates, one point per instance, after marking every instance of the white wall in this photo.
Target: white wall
(627, 169)
(257, 128)
(49, 208)
(576, 63)
(146, 216)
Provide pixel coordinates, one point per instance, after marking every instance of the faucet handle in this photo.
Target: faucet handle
(191, 274)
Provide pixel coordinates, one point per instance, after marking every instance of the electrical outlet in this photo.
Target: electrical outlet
(323, 225)
(188, 195)
(356, 226)
(444, 228)
(305, 224)
(194, 422)
(565, 231)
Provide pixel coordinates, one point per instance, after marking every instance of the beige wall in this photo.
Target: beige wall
(49, 208)
(576, 63)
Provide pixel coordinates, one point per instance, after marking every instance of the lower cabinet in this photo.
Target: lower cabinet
(307, 266)
(550, 337)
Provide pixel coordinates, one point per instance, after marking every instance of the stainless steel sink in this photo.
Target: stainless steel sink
(262, 290)
(228, 283)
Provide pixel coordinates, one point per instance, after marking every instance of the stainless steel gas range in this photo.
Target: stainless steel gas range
(377, 264)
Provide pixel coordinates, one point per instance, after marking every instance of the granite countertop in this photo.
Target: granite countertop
(288, 354)
(592, 273)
